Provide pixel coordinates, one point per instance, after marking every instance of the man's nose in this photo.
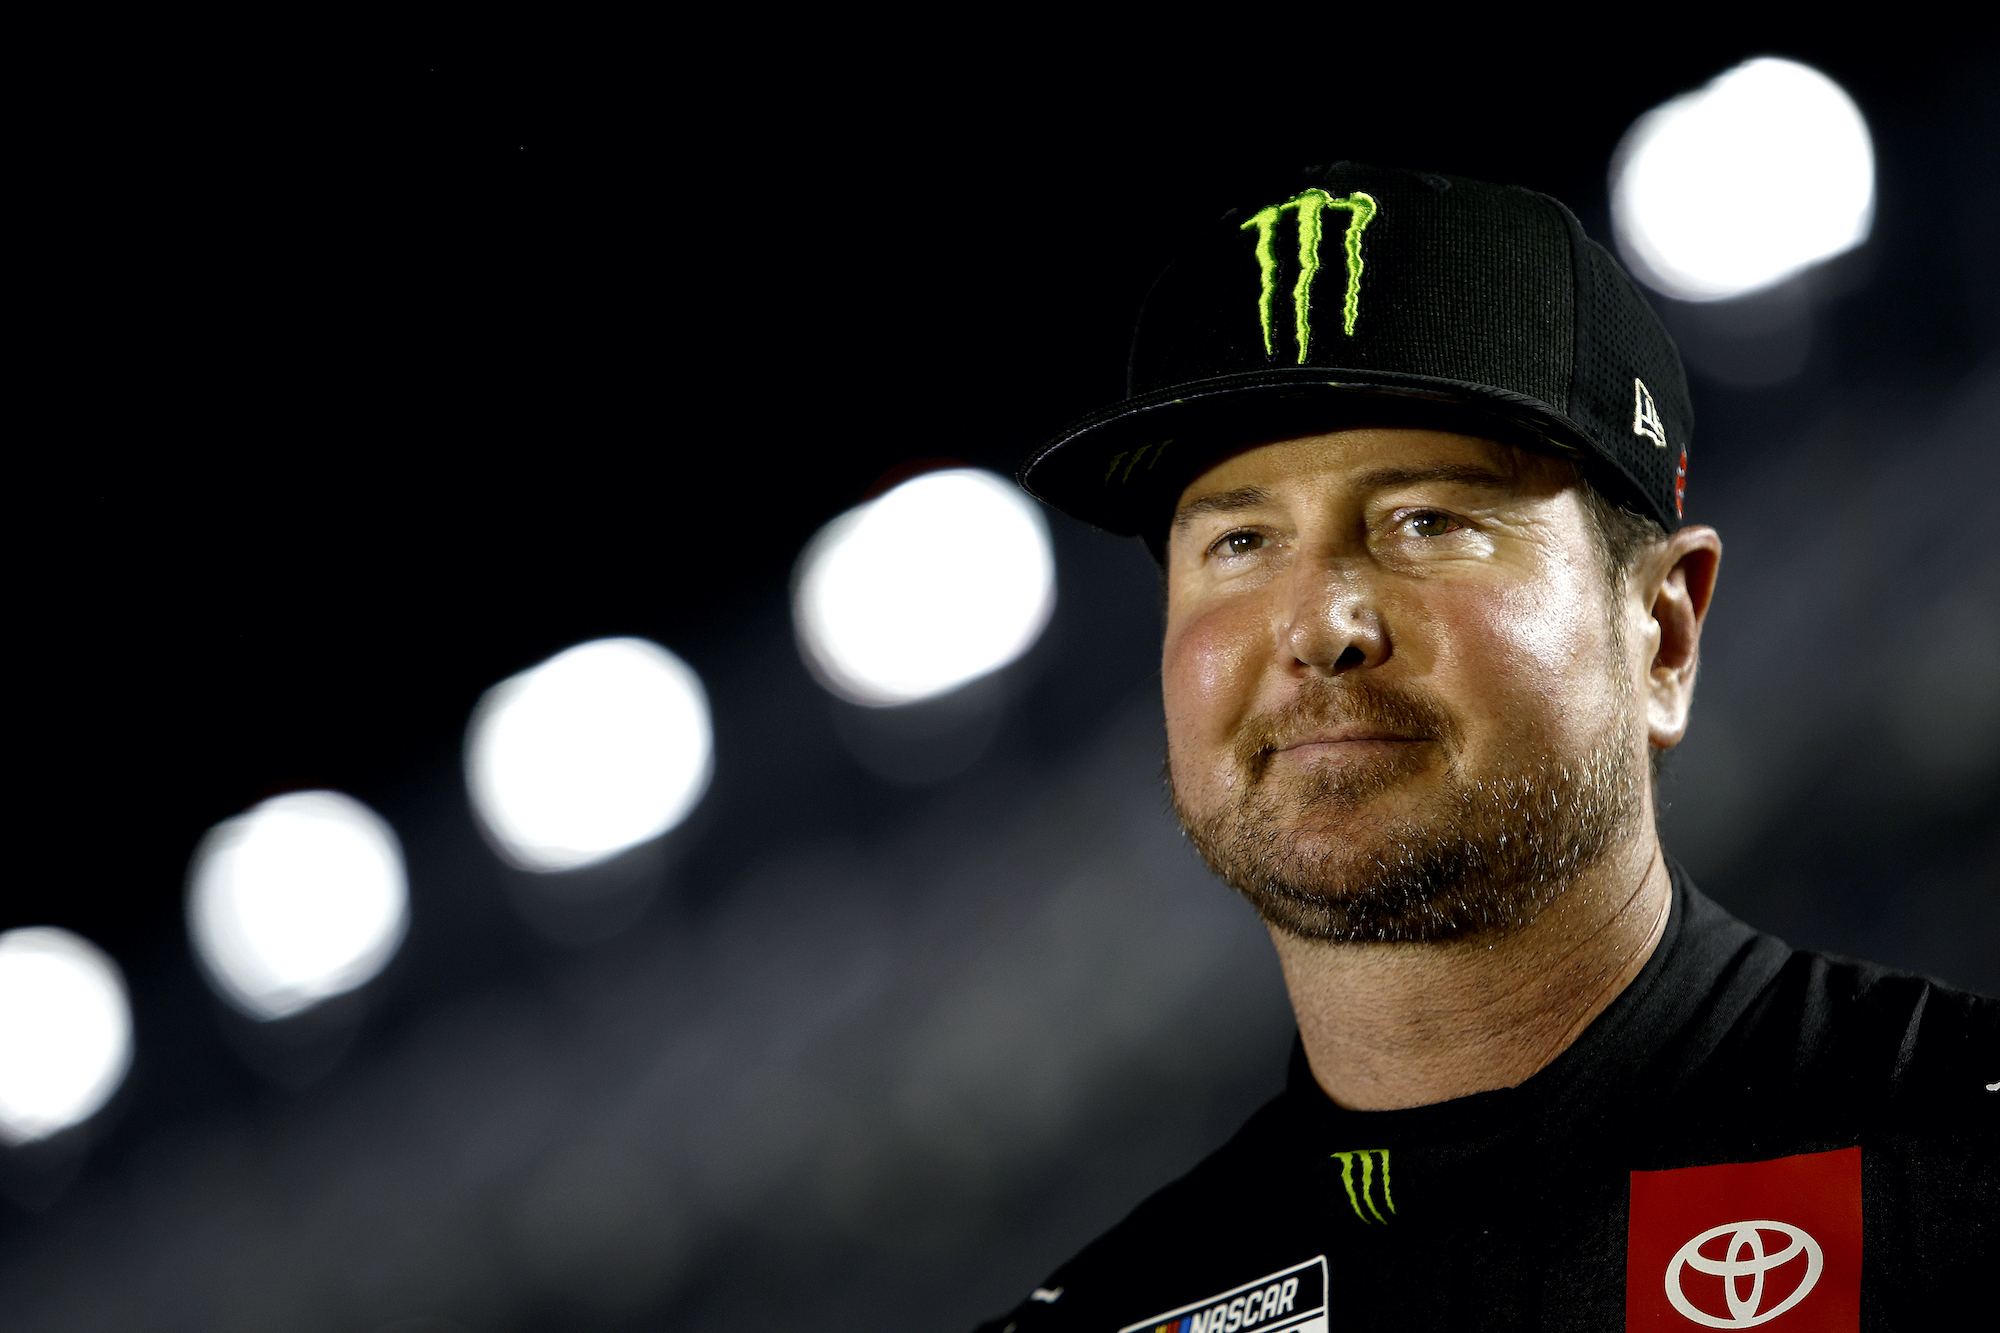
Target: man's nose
(1334, 625)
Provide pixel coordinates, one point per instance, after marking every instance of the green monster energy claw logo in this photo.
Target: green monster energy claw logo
(1364, 1197)
(1308, 205)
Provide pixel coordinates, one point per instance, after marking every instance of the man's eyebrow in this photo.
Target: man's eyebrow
(1463, 474)
(1250, 497)
(1222, 502)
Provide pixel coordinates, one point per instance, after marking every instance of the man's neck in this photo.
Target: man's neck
(1388, 1026)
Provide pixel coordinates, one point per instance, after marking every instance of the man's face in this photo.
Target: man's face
(1398, 705)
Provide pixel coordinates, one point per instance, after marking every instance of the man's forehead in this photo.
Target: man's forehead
(1368, 457)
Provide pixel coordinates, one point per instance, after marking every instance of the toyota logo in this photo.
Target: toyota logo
(1743, 1259)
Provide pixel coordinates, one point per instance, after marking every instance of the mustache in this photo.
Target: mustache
(1322, 704)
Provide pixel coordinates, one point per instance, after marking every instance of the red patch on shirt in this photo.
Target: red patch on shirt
(1773, 1245)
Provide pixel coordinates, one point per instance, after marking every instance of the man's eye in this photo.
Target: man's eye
(1240, 543)
(1431, 524)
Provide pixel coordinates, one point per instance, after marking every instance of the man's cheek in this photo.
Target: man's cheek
(1209, 670)
(1515, 657)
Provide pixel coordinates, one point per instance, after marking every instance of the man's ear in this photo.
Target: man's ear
(1677, 580)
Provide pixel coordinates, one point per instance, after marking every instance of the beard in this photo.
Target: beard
(1483, 856)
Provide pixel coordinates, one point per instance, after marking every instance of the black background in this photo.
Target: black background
(359, 386)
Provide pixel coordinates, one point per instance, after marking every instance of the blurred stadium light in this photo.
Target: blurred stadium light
(600, 748)
(65, 1031)
(1735, 187)
(300, 899)
(945, 579)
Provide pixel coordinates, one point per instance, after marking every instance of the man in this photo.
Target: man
(1412, 453)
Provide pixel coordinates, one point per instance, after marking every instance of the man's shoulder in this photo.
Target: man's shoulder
(1864, 1031)
(1183, 1240)
(1770, 1038)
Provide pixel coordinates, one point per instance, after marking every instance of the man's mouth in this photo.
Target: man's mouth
(1337, 749)
(1360, 729)
(1349, 739)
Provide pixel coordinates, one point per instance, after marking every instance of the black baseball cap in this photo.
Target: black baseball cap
(1370, 296)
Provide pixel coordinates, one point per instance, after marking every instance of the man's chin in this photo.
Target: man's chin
(1327, 810)
(1382, 889)
(1348, 776)
(1329, 859)
(1412, 856)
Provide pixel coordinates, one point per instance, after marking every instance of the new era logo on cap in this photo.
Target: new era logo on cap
(1645, 415)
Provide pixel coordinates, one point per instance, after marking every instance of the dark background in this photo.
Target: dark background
(355, 384)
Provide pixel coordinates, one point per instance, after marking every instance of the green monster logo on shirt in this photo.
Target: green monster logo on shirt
(1366, 1195)
(1309, 204)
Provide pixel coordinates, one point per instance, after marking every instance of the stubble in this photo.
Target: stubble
(1484, 854)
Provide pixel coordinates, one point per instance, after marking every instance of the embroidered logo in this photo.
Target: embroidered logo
(1291, 1300)
(1743, 1255)
(1122, 465)
(1363, 1196)
(1308, 205)
(1681, 486)
(1745, 1244)
(1645, 416)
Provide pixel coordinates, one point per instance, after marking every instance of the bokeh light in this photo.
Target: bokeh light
(65, 1031)
(299, 899)
(598, 749)
(1744, 183)
(945, 579)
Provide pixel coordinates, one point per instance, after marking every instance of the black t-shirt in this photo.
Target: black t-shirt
(1749, 1136)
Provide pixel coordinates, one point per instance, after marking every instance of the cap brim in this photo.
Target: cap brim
(1123, 468)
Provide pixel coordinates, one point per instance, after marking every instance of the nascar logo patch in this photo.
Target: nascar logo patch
(1292, 1300)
